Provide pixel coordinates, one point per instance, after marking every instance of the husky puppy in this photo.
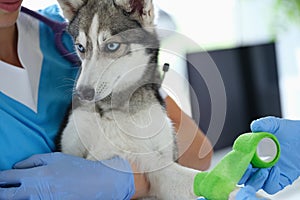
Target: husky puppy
(119, 111)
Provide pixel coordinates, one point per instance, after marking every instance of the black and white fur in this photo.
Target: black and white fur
(118, 108)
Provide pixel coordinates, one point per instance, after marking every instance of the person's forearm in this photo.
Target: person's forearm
(194, 148)
(141, 183)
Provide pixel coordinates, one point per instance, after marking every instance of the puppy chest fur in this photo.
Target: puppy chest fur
(139, 133)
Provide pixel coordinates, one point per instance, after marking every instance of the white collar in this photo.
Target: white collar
(22, 84)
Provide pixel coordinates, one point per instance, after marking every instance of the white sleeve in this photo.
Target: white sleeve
(163, 93)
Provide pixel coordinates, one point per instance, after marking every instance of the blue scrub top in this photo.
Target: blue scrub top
(24, 132)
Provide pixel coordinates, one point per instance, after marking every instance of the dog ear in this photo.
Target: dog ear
(142, 10)
(70, 7)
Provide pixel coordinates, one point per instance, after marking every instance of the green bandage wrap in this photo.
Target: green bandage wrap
(223, 178)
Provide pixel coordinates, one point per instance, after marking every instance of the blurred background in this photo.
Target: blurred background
(255, 45)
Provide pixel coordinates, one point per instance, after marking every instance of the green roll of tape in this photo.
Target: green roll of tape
(223, 178)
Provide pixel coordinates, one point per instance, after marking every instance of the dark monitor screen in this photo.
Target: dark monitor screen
(250, 78)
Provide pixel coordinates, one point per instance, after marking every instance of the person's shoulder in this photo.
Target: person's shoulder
(53, 12)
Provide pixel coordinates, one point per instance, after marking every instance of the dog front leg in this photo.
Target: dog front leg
(173, 182)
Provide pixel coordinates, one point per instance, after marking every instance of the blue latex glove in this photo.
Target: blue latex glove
(287, 169)
(256, 182)
(247, 193)
(61, 176)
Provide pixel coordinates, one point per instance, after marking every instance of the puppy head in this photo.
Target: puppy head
(115, 41)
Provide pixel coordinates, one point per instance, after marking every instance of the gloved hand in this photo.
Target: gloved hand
(287, 169)
(247, 193)
(256, 182)
(61, 176)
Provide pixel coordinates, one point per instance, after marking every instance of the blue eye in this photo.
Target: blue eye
(80, 48)
(113, 46)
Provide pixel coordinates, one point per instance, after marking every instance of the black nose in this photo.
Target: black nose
(86, 93)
